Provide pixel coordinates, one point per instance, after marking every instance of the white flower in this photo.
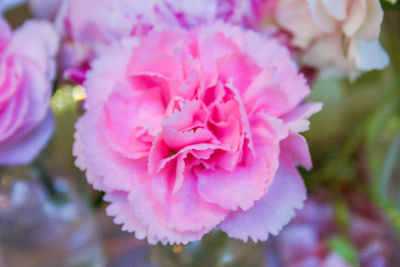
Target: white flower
(338, 36)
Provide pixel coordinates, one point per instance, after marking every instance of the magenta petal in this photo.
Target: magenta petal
(239, 188)
(28, 146)
(175, 139)
(270, 214)
(245, 184)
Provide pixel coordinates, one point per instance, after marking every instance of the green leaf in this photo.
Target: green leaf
(343, 248)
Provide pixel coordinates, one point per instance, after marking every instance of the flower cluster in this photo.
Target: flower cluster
(336, 37)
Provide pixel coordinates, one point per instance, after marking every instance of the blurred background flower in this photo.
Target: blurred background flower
(27, 64)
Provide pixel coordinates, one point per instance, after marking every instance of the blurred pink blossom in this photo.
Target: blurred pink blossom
(88, 27)
(186, 130)
(305, 241)
(27, 69)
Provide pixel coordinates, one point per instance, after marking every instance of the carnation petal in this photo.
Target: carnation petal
(273, 211)
(162, 211)
(296, 146)
(239, 188)
(120, 209)
(103, 161)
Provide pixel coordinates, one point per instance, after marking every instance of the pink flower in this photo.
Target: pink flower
(337, 36)
(88, 27)
(190, 130)
(26, 74)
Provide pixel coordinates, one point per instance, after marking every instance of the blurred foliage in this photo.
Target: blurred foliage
(57, 158)
(390, 4)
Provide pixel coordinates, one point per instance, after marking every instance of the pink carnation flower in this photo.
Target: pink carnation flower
(26, 73)
(186, 131)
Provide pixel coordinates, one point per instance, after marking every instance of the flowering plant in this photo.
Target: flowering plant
(192, 113)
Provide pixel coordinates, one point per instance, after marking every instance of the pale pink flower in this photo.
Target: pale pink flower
(190, 130)
(337, 36)
(26, 74)
(88, 27)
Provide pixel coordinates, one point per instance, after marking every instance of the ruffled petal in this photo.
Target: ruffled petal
(270, 214)
(177, 217)
(239, 188)
(102, 161)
